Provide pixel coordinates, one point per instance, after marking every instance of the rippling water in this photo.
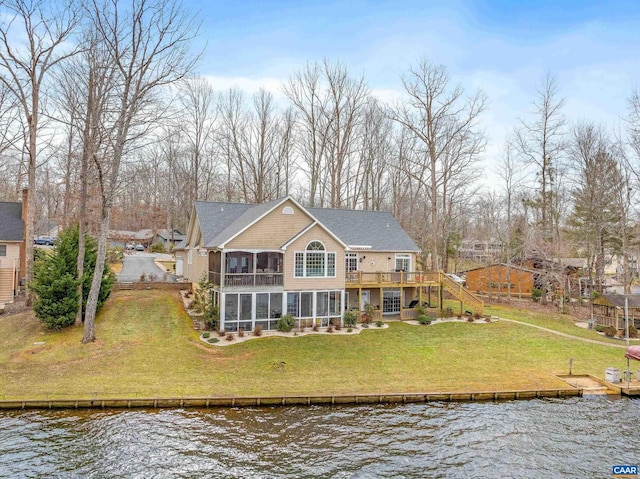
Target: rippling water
(580, 437)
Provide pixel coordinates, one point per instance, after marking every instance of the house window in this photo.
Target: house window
(403, 262)
(287, 210)
(328, 304)
(315, 262)
(315, 259)
(299, 273)
(3, 250)
(351, 262)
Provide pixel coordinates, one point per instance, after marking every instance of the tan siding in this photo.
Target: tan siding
(200, 265)
(13, 253)
(376, 261)
(272, 231)
(331, 245)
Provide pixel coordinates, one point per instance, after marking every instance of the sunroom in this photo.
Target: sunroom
(246, 268)
(247, 310)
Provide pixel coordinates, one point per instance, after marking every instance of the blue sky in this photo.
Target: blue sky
(502, 47)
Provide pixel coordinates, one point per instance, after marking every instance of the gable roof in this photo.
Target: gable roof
(11, 224)
(376, 230)
(166, 235)
(215, 217)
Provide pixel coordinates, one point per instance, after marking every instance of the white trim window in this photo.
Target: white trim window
(350, 262)
(315, 262)
(403, 262)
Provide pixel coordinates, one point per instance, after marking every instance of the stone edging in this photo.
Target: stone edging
(222, 341)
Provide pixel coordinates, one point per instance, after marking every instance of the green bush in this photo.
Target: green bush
(206, 335)
(157, 248)
(536, 294)
(424, 319)
(350, 318)
(55, 280)
(610, 331)
(633, 332)
(285, 323)
(379, 324)
(600, 328)
(213, 340)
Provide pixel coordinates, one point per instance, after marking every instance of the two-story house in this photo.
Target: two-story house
(267, 260)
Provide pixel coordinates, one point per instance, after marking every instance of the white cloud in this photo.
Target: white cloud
(248, 85)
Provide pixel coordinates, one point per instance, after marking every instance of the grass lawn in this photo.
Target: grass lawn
(147, 347)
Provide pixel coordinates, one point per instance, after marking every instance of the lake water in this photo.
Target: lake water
(580, 437)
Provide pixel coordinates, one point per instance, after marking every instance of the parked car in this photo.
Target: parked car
(44, 241)
(130, 246)
(139, 247)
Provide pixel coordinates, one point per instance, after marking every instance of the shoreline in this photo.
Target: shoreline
(295, 400)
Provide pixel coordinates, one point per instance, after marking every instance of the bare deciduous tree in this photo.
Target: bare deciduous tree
(147, 47)
(540, 142)
(46, 28)
(450, 142)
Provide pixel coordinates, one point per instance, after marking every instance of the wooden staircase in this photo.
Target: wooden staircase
(6, 285)
(462, 294)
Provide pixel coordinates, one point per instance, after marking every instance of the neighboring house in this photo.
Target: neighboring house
(614, 265)
(121, 238)
(609, 310)
(497, 278)
(480, 251)
(168, 239)
(12, 249)
(270, 259)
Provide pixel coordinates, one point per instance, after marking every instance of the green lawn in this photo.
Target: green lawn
(147, 347)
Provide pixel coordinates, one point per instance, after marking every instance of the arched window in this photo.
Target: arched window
(315, 246)
(287, 210)
(315, 261)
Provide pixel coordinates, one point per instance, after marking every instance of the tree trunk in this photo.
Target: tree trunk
(94, 292)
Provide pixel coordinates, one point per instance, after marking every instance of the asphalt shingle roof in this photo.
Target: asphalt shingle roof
(214, 217)
(11, 224)
(618, 300)
(378, 229)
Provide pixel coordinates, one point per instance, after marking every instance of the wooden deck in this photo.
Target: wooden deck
(359, 279)
(416, 279)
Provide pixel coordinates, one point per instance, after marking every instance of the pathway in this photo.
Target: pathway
(566, 335)
(137, 264)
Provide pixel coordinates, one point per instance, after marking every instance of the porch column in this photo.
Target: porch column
(221, 309)
(223, 266)
(343, 306)
(314, 304)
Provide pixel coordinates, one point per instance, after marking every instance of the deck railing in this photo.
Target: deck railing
(247, 279)
(399, 278)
